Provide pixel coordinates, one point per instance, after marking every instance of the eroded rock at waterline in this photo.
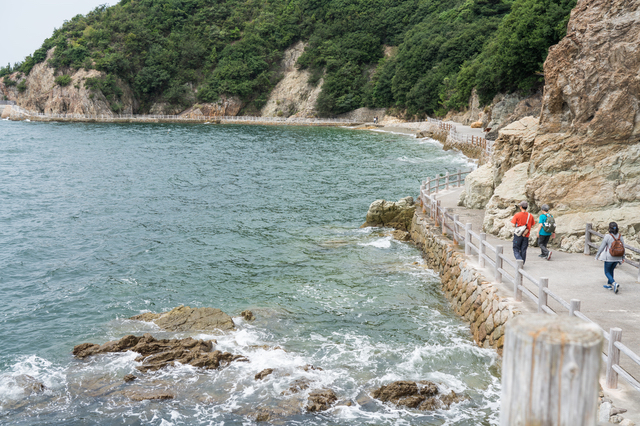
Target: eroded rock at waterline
(29, 384)
(321, 400)
(264, 373)
(390, 214)
(157, 354)
(423, 395)
(247, 315)
(150, 395)
(185, 318)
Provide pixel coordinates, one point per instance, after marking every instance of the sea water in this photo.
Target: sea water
(101, 222)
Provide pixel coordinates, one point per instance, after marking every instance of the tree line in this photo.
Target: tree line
(416, 56)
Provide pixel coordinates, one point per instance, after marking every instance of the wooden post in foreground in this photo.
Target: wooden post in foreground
(587, 239)
(550, 371)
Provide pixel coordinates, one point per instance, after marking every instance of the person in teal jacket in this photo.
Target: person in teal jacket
(544, 236)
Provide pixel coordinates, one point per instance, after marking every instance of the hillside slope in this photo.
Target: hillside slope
(171, 54)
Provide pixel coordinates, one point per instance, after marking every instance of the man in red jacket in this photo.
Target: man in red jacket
(521, 242)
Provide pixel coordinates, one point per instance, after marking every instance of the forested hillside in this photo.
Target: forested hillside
(184, 51)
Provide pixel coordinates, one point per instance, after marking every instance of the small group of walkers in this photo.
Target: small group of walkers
(611, 250)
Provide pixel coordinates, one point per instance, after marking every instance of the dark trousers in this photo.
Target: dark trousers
(608, 271)
(543, 240)
(520, 245)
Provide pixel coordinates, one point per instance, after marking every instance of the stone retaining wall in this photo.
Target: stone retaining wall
(472, 296)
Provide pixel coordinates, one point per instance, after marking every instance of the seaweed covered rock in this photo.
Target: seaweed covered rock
(390, 214)
(423, 395)
(185, 318)
(156, 354)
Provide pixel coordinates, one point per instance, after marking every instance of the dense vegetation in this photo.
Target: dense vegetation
(183, 51)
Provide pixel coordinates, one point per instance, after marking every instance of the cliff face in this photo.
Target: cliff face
(293, 95)
(585, 155)
(42, 94)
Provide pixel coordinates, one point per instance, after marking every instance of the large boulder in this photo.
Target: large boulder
(396, 215)
(586, 156)
(160, 353)
(513, 146)
(423, 395)
(502, 205)
(185, 318)
(478, 187)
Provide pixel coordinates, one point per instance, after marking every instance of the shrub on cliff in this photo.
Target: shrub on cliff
(63, 80)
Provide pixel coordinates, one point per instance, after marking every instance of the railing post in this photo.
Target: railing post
(456, 218)
(437, 183)
(613, 357)
(481, 249)
(574, 306)
(459, 178)
(438, 221)
(498, 262)
(467, 239)
(446, 181)
(587, 239)
(429, 185)
(550, 371)
(444, 221)
(542, 295)
(517, 293)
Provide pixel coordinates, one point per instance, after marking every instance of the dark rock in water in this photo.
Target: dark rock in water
(247, 315)
(321, 400)
(396, 215)
(185, 318)
(264, 373)
(423, 395)
(297, 386)
(157, 354)
(310, 367)
(29, 384)
(129, 378)
(154, 395)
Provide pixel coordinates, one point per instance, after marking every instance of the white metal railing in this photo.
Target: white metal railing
(505, 269)
(186, 118)
(476, 141)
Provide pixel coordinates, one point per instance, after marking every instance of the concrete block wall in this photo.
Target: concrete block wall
(471, 295)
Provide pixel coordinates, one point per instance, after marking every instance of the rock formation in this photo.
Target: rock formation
(423, 395)
(157, 354)
(185, 318)
(583, 158)
(225, 106)
(321, 400)
(396, 215)
(293, 95)
(43, 94)
(478, 187)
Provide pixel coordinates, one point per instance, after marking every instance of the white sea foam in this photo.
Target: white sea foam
(379, 243)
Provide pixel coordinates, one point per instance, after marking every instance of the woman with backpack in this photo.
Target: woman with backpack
(546, 230)
(611, 251)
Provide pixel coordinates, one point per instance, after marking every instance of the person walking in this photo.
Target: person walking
(611, 251)
(523, 221)
(546, 230)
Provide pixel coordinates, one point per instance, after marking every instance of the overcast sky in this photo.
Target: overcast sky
(27, 23)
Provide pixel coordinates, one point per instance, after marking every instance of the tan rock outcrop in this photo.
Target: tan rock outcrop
(42, 94)
(225, 106)
(478, 187)
(502, 205)
(506, 109)
(586, 154)
(293, 95)
(396, 215)
(513, 146)
(185, 318)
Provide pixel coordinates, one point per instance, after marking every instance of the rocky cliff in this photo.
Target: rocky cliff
(43, 94)
(582, 155)
(293, 95)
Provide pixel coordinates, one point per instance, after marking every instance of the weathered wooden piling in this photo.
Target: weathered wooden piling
(550, 371)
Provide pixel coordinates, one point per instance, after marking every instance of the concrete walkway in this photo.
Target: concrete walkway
(576, 276)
